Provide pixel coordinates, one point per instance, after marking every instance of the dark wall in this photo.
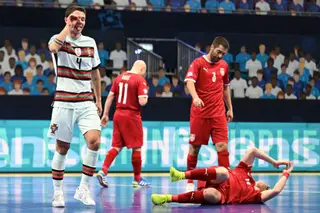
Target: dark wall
(175, 109)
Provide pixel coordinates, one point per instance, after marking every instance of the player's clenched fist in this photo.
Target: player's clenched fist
(198, 102)
(104, 120)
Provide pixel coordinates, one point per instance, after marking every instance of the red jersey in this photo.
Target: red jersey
(210, 80)
(127, 88)
(240, 187)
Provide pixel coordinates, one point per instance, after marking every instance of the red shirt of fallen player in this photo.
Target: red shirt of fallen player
(210, 78)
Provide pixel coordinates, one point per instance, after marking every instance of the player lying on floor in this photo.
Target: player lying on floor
(228, 186)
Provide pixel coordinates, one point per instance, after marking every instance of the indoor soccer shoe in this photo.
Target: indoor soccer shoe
(158, 199)
(141, 183)
(175, 175)
(102, 178)
(83, 194)
(58, 199)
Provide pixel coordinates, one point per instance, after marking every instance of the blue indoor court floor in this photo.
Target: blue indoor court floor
(33, 194)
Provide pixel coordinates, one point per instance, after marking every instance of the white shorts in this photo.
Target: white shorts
(63, 120)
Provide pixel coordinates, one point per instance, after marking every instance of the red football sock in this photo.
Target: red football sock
(136, 164)
(223, 159)
(202, 174)
(191, 164)
(189, 197)
(111, 155)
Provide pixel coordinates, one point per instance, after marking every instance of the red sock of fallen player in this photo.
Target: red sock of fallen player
(189, 197)
(136, 164)
(111, 155)
(191, 164)
(202, 174)
(223, 159)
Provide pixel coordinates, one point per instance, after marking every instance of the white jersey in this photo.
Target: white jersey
(73, 65)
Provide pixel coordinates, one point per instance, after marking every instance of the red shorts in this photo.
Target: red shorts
(127, 132)
(202, 128)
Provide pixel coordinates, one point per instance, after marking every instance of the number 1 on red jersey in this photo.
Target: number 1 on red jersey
(124, 93)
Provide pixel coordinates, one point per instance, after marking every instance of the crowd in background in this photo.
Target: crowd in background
(28, 70)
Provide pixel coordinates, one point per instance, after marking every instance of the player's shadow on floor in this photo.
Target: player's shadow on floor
(256, 208)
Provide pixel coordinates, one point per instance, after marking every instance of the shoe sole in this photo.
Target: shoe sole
(101, 181)
(58, 206)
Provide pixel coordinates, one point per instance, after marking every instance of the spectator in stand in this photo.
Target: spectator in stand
(263, 6)
(269, 70)
(308, 93)
(44, 50)
(314, 91)
(32, 66)
(154, 86)
(242, 58)
(65, 3)
(244, 7)
(44, 63)
(104, 92)
(50, 69)
(104, 77)
(304, 72)
(284, 76)
(253, 65)
(118, 56)
(22, 61)
(28, 83)
(279, 58)
(228, 57)
(310, 64)
(167, 91)
(2, 91)
(157, 4)
(313, 7)
(194, 5)
(140, 4)
(3, 64)
(113, 77)
(7, 84)
(122, 4)
(25, 46)
(18, 74)
(293, 64)
(16, 88)
(261, 82)
(51, 83)
(254, 91)
(26, 91)
(37, 90)
(280, 6)
(296, 6)
(162, 78)
(6, 44)
(187, 9)
(85, 3)
(316, 76)
(212, 6)
(268, 94)
(168, 8)
(39, 76)
(103, 54)
(289, 94)
(186, 93)
(280, 95)
(275, 89)
(158, 93)
(228, 6)
(12, 63)
(238, 85)
(176, 88)
(33, 54)
(298, 85)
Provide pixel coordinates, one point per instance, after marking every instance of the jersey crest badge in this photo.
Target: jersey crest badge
(190, 74)
(192, 137)
(77, 51)
(222, 71)
(54, 128)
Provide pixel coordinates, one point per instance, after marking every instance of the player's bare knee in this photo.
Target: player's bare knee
(221, 146)
(62, 147)
(118, 149)
(212, 195)
(222, 174)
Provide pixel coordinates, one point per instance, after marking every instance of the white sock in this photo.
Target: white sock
(88, 167)
(58, 170)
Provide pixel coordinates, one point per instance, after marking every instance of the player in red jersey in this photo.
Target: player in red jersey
(224, 186)
(208, 83)
(130, 91)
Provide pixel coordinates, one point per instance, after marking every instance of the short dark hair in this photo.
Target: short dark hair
(39, 81)
(296, 72)
(71, 8)
(284, 65)
(221, 41)
(155, 76)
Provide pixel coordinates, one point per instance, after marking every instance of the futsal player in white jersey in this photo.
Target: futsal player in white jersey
(77, 61)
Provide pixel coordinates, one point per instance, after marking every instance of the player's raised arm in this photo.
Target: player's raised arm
(57, 41)
(271, 193)
(253, 153)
